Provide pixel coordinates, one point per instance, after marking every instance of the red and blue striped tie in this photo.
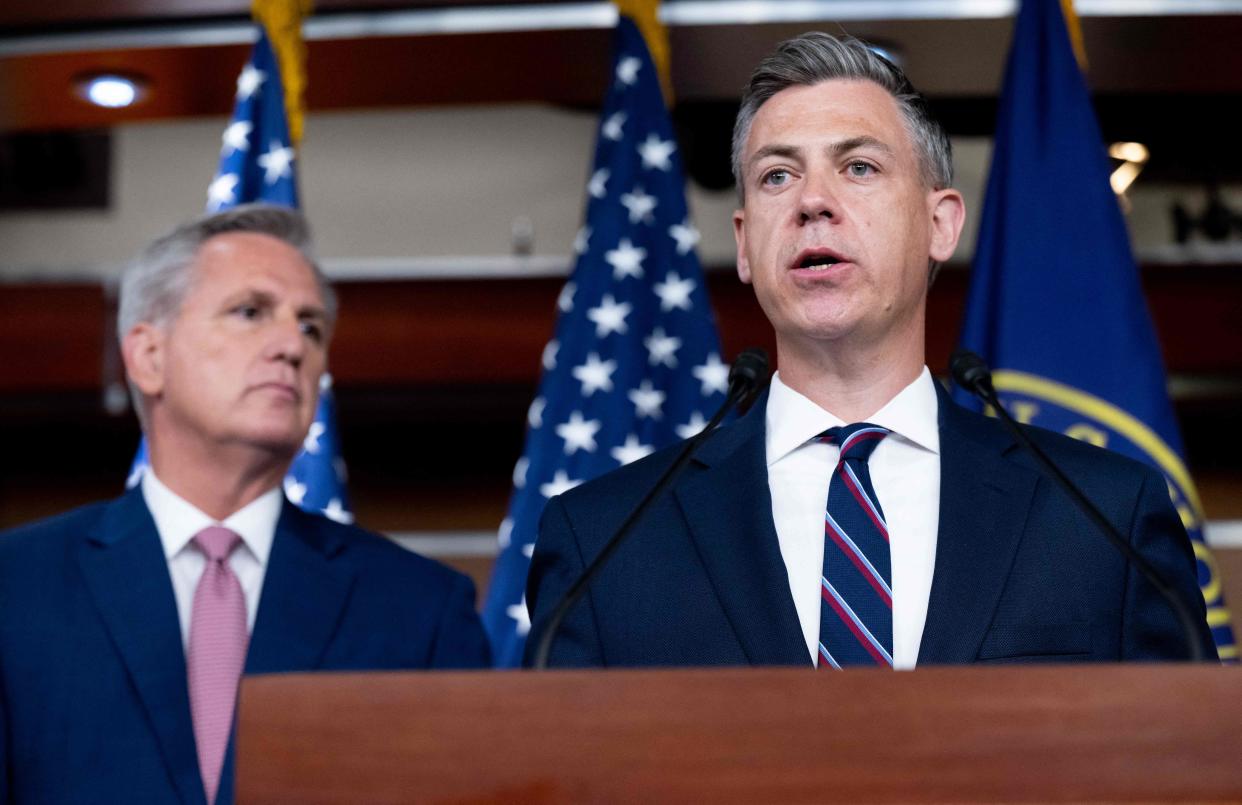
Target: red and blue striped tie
(856, 596)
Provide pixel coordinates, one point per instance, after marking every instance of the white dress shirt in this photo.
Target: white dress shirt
(905, 471)
(177, 521)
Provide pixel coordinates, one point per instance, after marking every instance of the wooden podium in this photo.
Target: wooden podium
(1016, 734)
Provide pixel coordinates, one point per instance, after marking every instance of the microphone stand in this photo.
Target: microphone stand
(972, 374)
(745, 380)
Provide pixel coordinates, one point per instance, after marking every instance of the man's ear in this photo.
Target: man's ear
(142, 348)
(948, 214)
(739, 237)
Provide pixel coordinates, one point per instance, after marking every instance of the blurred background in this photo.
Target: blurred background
(446, 150)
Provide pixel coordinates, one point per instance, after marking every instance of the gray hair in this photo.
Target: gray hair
(155, 284)
(814, 57)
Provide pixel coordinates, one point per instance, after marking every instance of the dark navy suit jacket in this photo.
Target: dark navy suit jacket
(94, 706)
(1020, 575)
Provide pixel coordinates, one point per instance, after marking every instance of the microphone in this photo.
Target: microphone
(747, 377)
(972, 373)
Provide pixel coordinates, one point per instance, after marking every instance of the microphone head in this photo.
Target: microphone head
(749, 370)
(971, 372)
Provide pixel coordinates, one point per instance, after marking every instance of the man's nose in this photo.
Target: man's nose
(287, 342)
(818, 199)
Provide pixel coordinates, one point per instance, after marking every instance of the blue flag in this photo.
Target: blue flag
(257, 164)
(634, 364)
(1055, 302)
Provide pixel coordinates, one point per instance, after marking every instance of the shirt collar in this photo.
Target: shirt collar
(793, 420)
(177, 520)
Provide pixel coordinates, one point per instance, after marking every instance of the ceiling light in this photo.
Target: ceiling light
(111, 90)
(887, 52)
(1133, 157)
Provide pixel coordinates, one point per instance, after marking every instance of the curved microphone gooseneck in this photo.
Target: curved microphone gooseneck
(972, 373)
(746, 380)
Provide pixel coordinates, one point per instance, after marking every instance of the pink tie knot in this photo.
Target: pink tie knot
(217, 542)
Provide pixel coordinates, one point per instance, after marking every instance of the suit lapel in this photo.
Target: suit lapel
(984, 504)
(305, 590)
(126, 574)
(725, 499)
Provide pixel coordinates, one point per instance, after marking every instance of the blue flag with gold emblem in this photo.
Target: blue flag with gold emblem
(1055, 303)
(634, 364)
(257, 163)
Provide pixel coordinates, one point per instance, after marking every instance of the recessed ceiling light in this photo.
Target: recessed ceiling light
(111, 90)
(887, 51)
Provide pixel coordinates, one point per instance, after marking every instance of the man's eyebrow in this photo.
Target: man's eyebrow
(312, 312)
(854, 143)
(777, 150)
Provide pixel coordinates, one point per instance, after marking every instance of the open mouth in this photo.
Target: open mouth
(817, 261)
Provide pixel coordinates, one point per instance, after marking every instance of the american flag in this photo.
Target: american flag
(257, 162)
(634, 364)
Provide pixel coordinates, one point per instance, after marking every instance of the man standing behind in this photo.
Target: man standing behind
(856, 515)
(125, 626)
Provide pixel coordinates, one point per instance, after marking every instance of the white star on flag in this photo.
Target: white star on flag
(647, 400)
(691, 428)
(611, 130)
(626, 260)
(686, 235)
(276, 163)
(534, 416)
(713, 374)
(582, 240)
(504, 534)
(521, 616)
(222, 191)
(595, 375)
(565, 301)
(519, 472)
(311, 443)
(597, 187)
(236, 137)
(549, 355)
(335, 511)
(249, 81)
(638, 308)
(640, 205)
(656, 152)
(674, 292)
(295, 491)
(579, 433)
(662, 348)
(609, 317)
(627, 70)
(559, 485)
(631, 451)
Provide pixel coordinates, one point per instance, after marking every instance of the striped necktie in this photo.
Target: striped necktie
(856, 596)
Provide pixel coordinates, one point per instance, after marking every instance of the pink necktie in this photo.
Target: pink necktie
(218, 641)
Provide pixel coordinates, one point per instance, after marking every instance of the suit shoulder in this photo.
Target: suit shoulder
(384, 558)
(622, 488)
(1074, 456)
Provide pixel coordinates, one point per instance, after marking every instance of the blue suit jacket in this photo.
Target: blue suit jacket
(1020, 575)
(94, 704)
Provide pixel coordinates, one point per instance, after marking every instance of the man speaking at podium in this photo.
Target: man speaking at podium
(125, 626)
(856, 516)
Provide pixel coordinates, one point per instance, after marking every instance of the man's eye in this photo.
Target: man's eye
(860, 169)
(776, 177)
(247, 311)
(313, 330)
